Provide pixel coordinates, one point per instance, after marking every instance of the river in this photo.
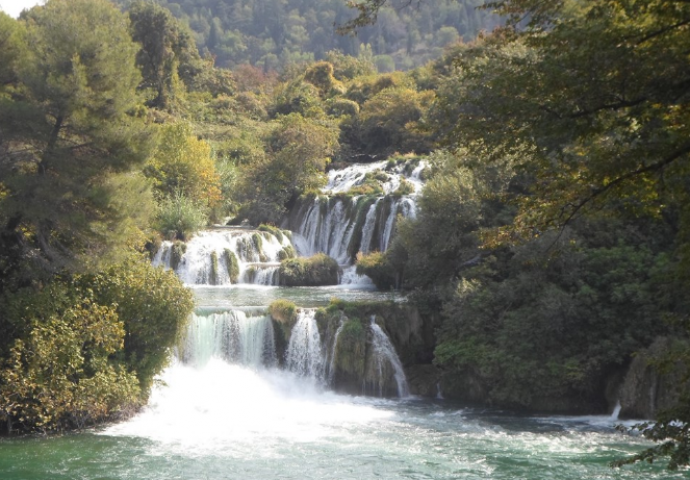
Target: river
(225, 420)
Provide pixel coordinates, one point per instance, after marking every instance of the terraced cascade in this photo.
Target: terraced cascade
(225, 256)
(357, 212)
(327, 391)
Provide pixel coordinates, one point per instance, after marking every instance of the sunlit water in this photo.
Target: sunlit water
(225, 421)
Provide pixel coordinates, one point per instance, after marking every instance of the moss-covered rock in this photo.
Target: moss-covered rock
(405, 188)
(177, 251)
(283, 311)
(213, 275)
(275, 231)
(351, 356)
(316, 271)
(232, 264)
(286, 253)
(375, 266)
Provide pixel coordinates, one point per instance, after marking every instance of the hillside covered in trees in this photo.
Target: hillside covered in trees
(273, 34)
(551, 246)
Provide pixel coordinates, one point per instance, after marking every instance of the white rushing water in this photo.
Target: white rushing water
(206, 256)
(342, 227)
(232, 336)
(385, 357)
(230, 410)
(305, 352)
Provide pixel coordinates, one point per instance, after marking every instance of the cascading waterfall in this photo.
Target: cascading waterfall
(368, 230)
(232, 336)
(304, 354)
(327, 229)
(384, 357)
(332, 352)
(341, 227)
(227, 256)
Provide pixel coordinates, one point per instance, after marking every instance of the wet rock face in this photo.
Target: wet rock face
(646, 390)
(424, 381)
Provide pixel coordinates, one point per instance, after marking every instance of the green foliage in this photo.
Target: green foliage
(168, 53)
(183, 164)
(67, 127)
(283, 311)
(375, 266)
(272, 34)
(85, 349)
(60, 376)
(543, 331)
(320, 75)
(342, 107)
(390, 121)
(154, 307)
(299, 150)
(179, 217)
(315, 271)
(11, 46)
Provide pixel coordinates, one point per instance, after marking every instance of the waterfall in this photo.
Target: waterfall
(304, 354)
(342, 226)
(232, 336)
(327, 227)
(368, 230)
(334, 346)
(226, 256)
(616, 410)
(383, 357)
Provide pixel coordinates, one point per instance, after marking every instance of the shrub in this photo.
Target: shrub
(375, 266)
(179, 217)
(283, 311)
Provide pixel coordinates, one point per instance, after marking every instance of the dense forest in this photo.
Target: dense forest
(273, 34)
(551, 245)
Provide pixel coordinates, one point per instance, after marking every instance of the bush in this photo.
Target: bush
(60, 376)
(375, 266)
(179, 217)
(283, 311)
(154, 306)
(85, 349)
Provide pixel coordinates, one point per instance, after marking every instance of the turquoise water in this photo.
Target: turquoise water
(224, 421)
(332, 437)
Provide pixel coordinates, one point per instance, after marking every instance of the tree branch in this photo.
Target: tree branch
(685, 149)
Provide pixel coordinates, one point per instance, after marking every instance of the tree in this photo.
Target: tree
(168, 53)
(592, 99)
(298, 151)
(592, 96)
(67, 125)
(183, 163)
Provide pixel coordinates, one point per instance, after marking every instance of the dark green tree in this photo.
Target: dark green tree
(69, 135)
(168, 53)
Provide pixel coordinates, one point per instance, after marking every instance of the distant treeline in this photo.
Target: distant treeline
(274, 33)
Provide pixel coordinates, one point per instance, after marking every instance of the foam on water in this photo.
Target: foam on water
(211, 409)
